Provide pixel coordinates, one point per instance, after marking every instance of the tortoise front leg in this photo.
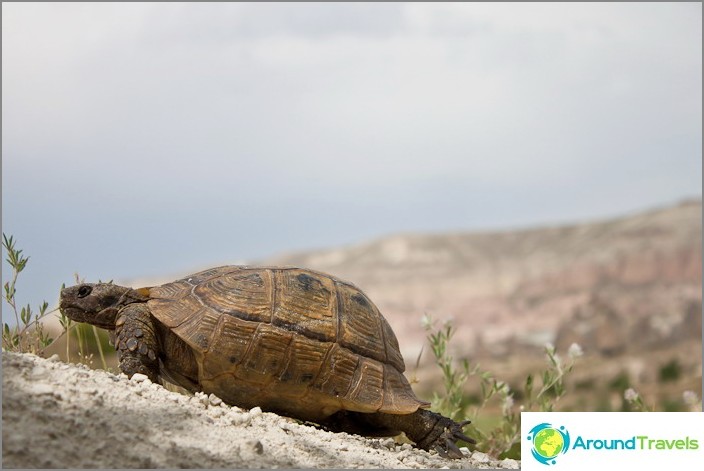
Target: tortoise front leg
(136, 341)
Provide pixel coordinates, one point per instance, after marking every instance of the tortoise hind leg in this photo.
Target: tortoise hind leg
(429, 431)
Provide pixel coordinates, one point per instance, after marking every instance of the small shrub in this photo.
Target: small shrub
(503, 440)
(27, 335)
(670, 372)
(620, 382)
(635, 401)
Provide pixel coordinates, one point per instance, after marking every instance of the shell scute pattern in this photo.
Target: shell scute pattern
(287, 333)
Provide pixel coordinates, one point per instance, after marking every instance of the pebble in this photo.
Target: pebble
(239, 419)
(54, 357)
(258, 447)
(389, 443)
(480, 457)
(509, 463)
(214, 400)
(202, 398)
(140, 378)
(255, 412)
(41, 388)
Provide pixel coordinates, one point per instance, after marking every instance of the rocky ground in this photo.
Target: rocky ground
(59, 415)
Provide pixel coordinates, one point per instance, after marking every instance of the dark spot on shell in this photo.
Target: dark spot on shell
(233, 359)
(132, 344)
(360, 299)
(254, 279)
(307, 282)
(301, 329)
(306, 378)
(245, 316)
(202, 341)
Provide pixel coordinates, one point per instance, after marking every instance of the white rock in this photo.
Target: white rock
(480, 457)
(508, 463)
(389, 443)
(140, 378)
(214, 400)
(255, 412)
(202, 398)
(41, 388)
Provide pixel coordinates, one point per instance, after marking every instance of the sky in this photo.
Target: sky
(145, 139)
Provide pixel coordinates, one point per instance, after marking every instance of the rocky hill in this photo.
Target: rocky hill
(511, 290)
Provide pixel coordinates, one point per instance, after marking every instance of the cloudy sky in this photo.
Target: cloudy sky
(146, 139)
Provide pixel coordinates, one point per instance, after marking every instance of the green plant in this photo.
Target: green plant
(450, 403)
(670, 372)
(504, 438)
(635, 401)
(620, 382)
(27, 335)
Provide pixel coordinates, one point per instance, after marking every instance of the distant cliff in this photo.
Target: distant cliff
(623, 283)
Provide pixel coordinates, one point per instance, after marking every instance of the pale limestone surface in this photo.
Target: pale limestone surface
(59, 415)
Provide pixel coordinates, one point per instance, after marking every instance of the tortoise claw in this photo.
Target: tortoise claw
(441, 451)
(457, 435)
(456, 432)
(453, 451)
(447, 448)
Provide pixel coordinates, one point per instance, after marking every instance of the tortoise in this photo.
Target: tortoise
(293, 341)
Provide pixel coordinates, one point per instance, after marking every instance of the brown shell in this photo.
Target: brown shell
(287, 339)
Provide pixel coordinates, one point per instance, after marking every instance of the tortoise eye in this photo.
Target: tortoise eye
(84, 291)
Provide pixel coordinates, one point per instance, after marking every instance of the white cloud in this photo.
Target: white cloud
(148, 137)
(504, 95)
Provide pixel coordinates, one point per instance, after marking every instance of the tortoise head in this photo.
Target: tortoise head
(98, 303)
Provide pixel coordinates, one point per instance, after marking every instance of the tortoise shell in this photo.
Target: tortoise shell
(286, 339)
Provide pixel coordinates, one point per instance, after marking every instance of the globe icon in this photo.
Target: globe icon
(548, 443)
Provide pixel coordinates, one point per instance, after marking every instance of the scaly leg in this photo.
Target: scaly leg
(136, 342)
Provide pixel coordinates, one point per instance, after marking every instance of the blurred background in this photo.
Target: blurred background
(531, 172)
